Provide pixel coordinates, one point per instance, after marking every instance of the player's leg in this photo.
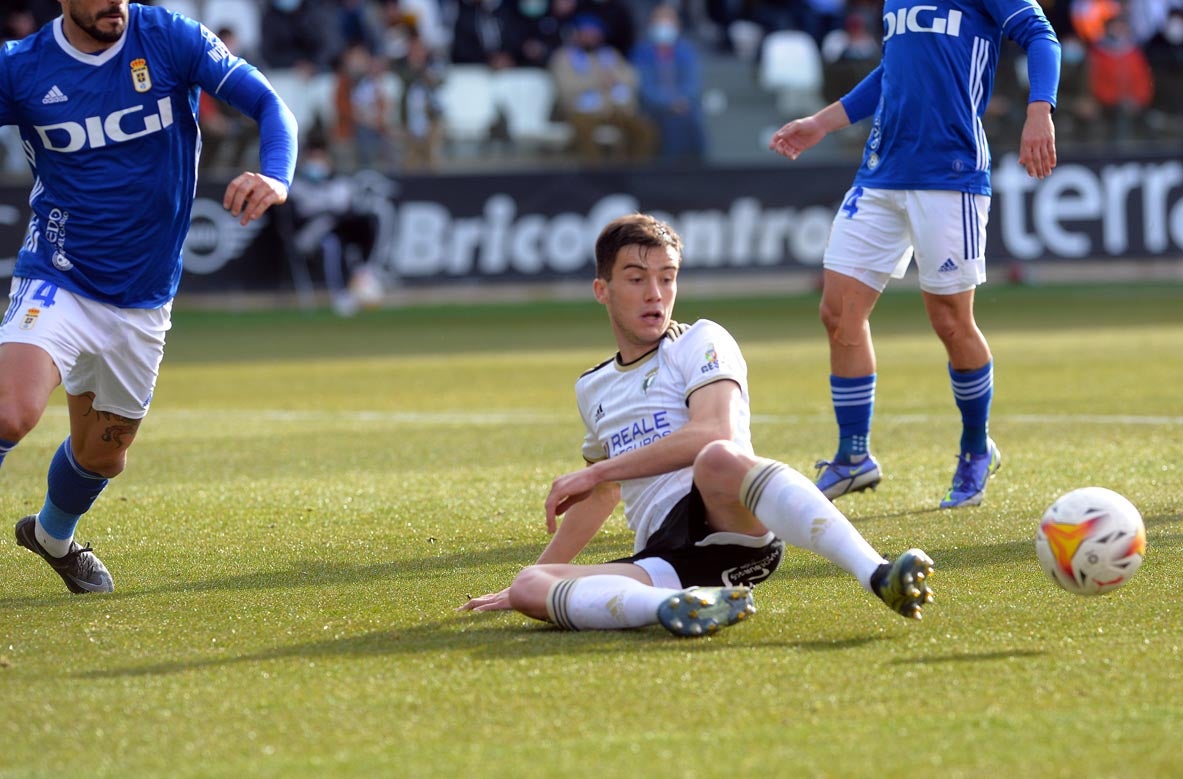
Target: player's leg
(950, 238)
(736, 485)
(868, 244)
(589, 597)
(27, 377)
(845, 311)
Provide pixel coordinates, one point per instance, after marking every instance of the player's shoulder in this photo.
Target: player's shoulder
(30, 45)
(680, 333)
(157, 20)
(596, 368)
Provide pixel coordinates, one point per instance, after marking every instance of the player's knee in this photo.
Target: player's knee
(527, 593)
(17, 419)
(104, 463)
(720, 462)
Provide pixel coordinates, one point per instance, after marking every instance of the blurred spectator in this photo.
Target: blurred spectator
(402, 19)
(541, 24)
(1119, 77)
(617, 22)
(485, 32)
(422, 111)
(299, 34)
(824, 17)
(362, 128)
(358, 22)
(848, 55)
(597, 89)
(330, 228)
(1164, 52)
(1089, 18)
(226, 134)
(670, 78)
(17, 23)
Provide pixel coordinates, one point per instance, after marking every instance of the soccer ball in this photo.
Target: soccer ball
(1091, 541)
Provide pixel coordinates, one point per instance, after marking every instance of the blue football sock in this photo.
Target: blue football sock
(973, 391)
(5, 448)
(72, 490)
(854, 402)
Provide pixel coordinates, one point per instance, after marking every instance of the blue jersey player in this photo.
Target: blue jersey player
(923, 191)
(105, 98)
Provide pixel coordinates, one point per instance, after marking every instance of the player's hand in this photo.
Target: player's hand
(1037, 145)
(797, 136)
(249, 195)
(494, 601)
(565, 492)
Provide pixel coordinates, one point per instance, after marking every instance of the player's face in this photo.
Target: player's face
(640, 297)
(103, 21)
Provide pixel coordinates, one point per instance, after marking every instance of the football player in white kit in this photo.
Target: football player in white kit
(668, 433)
(923, 189)
(105, 98)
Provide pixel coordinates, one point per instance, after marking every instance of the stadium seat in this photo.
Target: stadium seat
(791, 67)
(526, 97)
(467, 97)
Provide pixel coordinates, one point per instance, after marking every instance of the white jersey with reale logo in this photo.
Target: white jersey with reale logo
(627, 407)
(112, 141)
(939, 60)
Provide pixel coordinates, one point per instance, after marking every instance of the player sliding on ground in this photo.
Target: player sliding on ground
(668, 431)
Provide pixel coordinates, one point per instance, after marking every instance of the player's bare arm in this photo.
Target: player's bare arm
(801, 134)
(250, 194)
(579, 526)
(1037, 145)
(711, 414)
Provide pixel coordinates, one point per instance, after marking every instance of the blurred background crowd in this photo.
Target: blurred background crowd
(420, 86)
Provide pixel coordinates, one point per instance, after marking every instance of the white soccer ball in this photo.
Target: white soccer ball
(1091, 541)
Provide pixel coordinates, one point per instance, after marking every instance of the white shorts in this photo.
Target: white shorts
(113, 352)
(877, 231)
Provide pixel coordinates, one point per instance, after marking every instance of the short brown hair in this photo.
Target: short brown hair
(632, 230)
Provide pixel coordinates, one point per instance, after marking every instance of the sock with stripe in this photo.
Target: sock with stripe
(794, 509)
(71, 492)
(5, 448)
(854, 403)
(973, 391)
(604, 602)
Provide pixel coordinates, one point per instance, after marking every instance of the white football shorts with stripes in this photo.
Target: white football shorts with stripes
(876, 233)
(110, 351)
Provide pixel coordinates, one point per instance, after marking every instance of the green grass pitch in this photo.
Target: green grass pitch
(311, 498)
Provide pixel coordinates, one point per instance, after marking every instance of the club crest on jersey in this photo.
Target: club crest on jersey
(140, 78)
(30, 318)
(647, 382)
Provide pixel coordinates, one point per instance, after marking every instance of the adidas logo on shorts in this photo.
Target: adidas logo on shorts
(947, 266)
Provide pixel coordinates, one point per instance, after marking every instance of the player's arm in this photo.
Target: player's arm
(801, 134)
(1037, 144)
(712, 413)
(250, 194)
(580, 525)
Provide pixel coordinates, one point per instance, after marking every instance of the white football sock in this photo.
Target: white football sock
(604, 602)
(794, 509)
(55, 546)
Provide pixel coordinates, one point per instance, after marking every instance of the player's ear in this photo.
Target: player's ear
(600, 290)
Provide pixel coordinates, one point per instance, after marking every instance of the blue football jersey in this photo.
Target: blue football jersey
(937, 75)
(113, 143)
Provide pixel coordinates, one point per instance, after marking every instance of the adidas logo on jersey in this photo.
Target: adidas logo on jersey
(54, 95)
(599, 412)
(948, 266)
